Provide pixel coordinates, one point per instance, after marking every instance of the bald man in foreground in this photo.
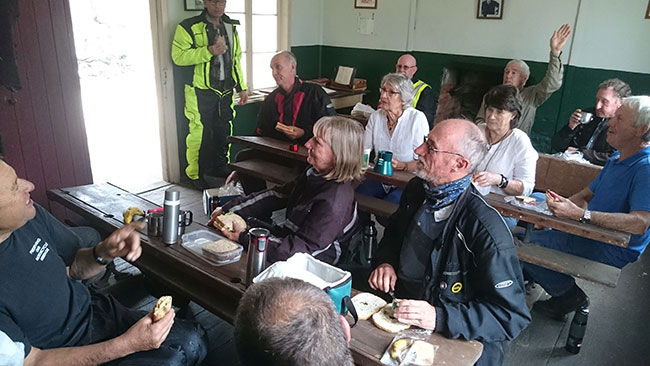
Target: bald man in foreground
(456, 264)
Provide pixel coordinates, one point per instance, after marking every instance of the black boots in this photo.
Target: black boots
(558, 306)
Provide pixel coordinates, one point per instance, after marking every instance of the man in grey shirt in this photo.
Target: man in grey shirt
(517, 72)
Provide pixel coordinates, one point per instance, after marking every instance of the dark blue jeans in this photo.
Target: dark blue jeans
(556, 283)
(185, 345)
(375, 189)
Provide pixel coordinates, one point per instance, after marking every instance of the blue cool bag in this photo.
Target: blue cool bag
(336, 282)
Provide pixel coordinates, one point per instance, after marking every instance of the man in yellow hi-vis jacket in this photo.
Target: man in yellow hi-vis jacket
(209, 42)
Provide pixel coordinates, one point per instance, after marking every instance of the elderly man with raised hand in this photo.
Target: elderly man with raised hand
(448, 253)
(617, 199)
(289, 322)
(57, 320)
(590, 136)
(517, 72)
(210, 43)
(424, 99)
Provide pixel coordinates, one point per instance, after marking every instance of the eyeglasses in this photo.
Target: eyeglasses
(433, 149)
(384, 90)
(403, 67)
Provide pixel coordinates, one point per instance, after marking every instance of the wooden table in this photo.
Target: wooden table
(340, 98)
(281, 148)
(590, 231)
(217, 289)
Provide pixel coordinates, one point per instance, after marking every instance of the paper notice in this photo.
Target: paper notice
(366, 23)
(344, 75)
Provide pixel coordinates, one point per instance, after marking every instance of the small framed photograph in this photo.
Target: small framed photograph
(489, 9)
(191, 5)
(365, 4)
(647, 12)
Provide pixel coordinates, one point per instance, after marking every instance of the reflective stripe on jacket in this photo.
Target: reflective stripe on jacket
(190, 48)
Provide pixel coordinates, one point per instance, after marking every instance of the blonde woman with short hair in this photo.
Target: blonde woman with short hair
(320, 204)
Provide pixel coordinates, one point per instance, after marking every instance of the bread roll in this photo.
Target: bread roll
(162, 307)
(384, 320)
(367, 304)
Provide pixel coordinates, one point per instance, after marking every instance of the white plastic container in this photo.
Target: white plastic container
(195, 240)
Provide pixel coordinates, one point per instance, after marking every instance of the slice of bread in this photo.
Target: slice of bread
(367, 304)
(226, 222)
(162, 307)
(220, 250)
(384, 320)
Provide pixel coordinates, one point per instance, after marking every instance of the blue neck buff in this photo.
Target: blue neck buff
(441, 196)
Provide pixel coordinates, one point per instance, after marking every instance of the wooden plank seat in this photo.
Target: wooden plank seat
(568, 264)
(280, 174)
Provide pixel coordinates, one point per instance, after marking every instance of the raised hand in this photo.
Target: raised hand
(559, 39)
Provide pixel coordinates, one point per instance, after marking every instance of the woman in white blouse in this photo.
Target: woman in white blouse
(395, 127)
(509, 166)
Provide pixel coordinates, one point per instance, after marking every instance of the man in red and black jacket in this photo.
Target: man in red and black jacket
(295, 104)
(288, 113)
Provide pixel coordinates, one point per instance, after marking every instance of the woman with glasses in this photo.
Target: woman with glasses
(395, 127)
(509, 166)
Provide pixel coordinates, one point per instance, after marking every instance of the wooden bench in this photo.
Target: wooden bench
(280, 174)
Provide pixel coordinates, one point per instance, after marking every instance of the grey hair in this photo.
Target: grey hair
(403, 85)
(621, 89)
(345, 138)
(640, 106)
(289, 55)
(289, 322)
(523, 67)
(473, 146)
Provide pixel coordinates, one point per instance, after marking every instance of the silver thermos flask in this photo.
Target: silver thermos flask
(171, 210)
(258, 240)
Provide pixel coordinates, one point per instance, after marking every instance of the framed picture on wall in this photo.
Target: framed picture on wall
(191, 5)
(489, 9)
(365, 4)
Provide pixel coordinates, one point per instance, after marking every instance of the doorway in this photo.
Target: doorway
(113, 42)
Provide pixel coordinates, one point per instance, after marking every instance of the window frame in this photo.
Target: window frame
(283, 17)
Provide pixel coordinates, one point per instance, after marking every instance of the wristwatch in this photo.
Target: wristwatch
(586, 217)
(98, 258)
(504, 182)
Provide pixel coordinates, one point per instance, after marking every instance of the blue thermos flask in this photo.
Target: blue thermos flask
(384, 164)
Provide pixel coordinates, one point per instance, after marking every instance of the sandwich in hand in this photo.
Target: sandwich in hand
(162, 307)
(552, 196)
(227, 222)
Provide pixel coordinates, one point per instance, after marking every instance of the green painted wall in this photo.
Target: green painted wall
(578, 90)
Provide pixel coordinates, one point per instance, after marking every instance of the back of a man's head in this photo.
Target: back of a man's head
(289, 322)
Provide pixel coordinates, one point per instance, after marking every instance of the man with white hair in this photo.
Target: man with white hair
(517, 72)
(449, 253)
(617, 199)
(425, 99)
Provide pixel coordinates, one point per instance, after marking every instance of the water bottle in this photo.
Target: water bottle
(370, 240)
(577, 330)
(171, 211)
(258, 240)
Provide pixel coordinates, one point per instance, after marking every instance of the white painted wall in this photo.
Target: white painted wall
(306, 25)
(607, 34)
(524, 32)
(613, 35)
